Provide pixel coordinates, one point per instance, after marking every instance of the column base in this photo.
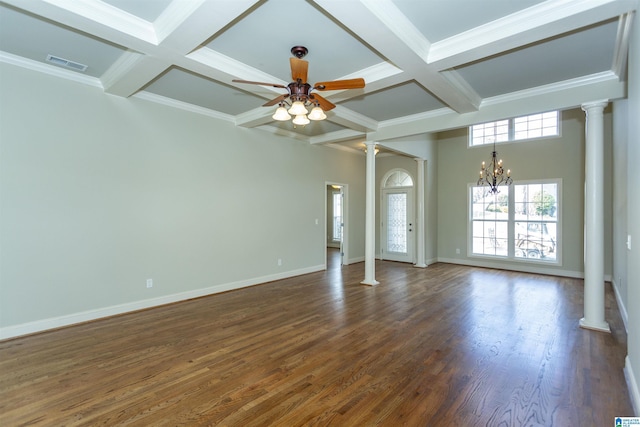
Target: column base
(369, 282)
(421, 265)
(596, 326)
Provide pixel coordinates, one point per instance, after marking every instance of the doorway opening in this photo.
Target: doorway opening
(335, 224)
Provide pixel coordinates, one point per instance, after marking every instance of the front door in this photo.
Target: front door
(397, 225)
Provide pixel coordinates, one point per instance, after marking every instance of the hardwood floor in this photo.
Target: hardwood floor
(445, 345)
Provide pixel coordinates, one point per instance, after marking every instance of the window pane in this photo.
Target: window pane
(397, 222)
(488, 133)
(536, 221)
(337, 217)
(536, 125)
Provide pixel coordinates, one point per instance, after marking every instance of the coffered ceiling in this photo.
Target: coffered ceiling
(429, 65)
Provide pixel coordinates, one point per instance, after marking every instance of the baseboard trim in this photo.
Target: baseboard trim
(632, 385)
(37, 326)
(621, 307)
(522, 268)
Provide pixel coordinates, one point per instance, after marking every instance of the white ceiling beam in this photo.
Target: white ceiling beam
(131, 72)
(186, 24)
(350, 119)
(113, 25)
(399, 41)
(337, 136)
(561, 96)
(539, 22)
(621, 51)
(256, 117)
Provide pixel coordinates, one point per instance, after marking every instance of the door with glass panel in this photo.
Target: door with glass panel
(397, 222)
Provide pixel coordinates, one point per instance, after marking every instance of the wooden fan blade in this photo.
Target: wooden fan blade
(259, 83)
(299, 68)
(276, 100)
(323, 102)
(340, 84)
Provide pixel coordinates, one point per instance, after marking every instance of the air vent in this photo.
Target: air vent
(66, 63)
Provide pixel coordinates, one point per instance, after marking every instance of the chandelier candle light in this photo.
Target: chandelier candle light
(493, 174)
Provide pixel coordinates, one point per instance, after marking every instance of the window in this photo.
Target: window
(517, 129)
(521, 222)
(337, 216)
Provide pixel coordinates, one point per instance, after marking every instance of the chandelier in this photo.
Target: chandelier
(299, 106)
(493, 174)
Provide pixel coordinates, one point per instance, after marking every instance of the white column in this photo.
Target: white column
(420, 262)
(370, 218)
(594, 219)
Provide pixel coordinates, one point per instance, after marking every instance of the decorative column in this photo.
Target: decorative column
(370, 218)
(420, 262)
(594, 219)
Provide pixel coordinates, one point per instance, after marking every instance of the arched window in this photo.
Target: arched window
(397, 178)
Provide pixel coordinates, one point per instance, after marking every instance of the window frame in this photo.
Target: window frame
(511, 221)
(511, 133)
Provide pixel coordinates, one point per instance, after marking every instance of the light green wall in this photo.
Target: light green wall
(561, 157)
(632, 224)
(99, 193)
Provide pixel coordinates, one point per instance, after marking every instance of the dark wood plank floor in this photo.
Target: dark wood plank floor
(446, 345)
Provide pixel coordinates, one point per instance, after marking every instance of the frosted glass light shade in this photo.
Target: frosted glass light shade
(281, 115)
(317, 114)
(297, 109)
(301, 119)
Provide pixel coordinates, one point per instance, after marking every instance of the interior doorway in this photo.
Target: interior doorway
(335, 222)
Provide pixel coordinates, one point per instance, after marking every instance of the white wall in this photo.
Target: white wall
(99, 193)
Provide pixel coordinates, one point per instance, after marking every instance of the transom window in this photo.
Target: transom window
(398, 179)
(520, 222)
(519, 128)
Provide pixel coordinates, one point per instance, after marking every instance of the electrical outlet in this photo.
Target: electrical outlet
(149, 283)
(458, 251)
(279, 261)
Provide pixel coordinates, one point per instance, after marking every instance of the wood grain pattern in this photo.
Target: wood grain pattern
(445, 345)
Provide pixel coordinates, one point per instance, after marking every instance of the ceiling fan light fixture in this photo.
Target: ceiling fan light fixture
(281, 114)
(317, 114)
(301, 120)
(297, 109)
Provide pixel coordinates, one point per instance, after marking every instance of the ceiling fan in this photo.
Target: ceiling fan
(300, 96)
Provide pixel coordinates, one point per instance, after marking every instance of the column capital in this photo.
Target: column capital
(595, 104)
(419, 159)
(370, 143)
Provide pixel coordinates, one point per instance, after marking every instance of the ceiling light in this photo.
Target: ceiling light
(375, 150)
(317, 114)
(301, 120)
(493, 174)
(297, 109)
(281, 114)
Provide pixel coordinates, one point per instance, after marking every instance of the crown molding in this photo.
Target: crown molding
(51, 70)
(152, 97)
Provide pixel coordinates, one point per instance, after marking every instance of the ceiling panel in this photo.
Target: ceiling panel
(34, 38)
(149, 10)
(263, 39)
(434, 17)
(193, 89)
(398, 101)
(543, 63)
